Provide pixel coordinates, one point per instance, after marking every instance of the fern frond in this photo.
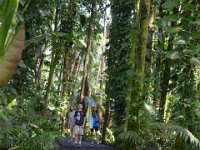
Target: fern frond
(185, 134)
(129, 136)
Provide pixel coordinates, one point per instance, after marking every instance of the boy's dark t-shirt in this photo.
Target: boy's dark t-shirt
(80, 115)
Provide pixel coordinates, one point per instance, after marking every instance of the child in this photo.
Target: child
(94, 123)
(80, 118)
(71, 121)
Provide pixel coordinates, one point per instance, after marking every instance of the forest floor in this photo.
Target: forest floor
(63, 144)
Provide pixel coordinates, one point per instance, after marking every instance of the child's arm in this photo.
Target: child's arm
(84, 120)
(75, 115)
(99, 117)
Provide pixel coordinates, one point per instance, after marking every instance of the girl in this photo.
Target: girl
(71, 121)
(94, 125)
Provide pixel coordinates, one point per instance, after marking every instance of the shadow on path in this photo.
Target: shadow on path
(63, 144)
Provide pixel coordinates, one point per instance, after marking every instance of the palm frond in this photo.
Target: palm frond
(129, 136)
(184, 134)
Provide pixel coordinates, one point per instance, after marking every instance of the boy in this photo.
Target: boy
(80, 118)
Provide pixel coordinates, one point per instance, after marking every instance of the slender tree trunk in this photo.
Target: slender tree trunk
(106, 118)
(101, 78)
(166, 73)
(165, 79)
(66, 68)
(89, 67)
(52, 66)
(73, 70)
(53, 62)
(132, 66)
(150, 43)
(159, 50)
(39, 62)
(76, 74)
(89, 34)
(101, 68)
(74, 65)
(60, 80)
(39, 71)
(68, 27)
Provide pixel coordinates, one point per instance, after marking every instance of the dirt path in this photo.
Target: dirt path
(64, 145)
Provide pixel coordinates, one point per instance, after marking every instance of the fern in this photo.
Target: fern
(184, 134)
(130, 136)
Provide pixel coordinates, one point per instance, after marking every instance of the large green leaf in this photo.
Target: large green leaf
(195, 61)
(170, 30)
(7, 12)
(41, 37)
(171, 4)
(10, 60)
(3, 117)
(62, 34)
(37, 39)
(172, 17)
(179, 41)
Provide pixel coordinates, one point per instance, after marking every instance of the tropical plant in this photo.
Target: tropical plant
(12, 43)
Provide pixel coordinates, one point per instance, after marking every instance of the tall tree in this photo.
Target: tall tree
(53, 62)
(138, 50)
(86, 52)
(67, 26)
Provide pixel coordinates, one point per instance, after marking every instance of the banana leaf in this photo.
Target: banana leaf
(12, 56)
(7, 22)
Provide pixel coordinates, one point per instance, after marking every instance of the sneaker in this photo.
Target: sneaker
(92, 143)
(79, 144)
(75, 144)
(69, 141)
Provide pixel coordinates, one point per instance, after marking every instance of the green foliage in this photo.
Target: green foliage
(118, 58)
(7, 18)
(130, 137)
(185, 134)
(24, 129)
(175, 46)
(171, 4)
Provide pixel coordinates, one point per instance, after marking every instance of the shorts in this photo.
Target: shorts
(96, 128)
(71, 126)
(78, 130)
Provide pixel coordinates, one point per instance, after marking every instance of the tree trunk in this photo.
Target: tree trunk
(52, 66)
(132, 66)
(39, 71)
(159, 51)
(68, 27)
(73, 70)
(106, 118)
(165, 80)
(166, 73)
(53, 56)
(100, 70)
(134, 99)
(137, 87)
(89, 34)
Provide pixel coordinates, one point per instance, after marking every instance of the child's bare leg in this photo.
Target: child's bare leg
(80, 139)
(97, 136)
(76, 138)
